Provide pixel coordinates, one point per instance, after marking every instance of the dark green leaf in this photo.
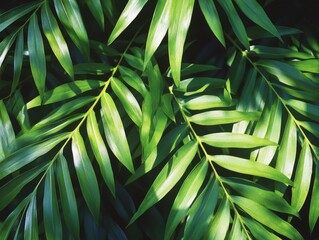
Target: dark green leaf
(132, 79)
(275, 52)
(258, 230)
(67, 196)
(314, 210)
(31, 231)
(51, 215)
(211, 15)
(96, 9)
(235, 21)
(308, 110)
(37, 55)
(168, 177)
(5, 45)
(7, 135)
(114, 132)
(256, 13)
(18, 60)
(92, 68)
(26, 155)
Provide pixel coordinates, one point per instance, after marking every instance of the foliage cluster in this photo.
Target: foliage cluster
(164, 119)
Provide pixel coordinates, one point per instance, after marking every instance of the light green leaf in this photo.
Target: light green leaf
(256, 13)
(12, 188)
(185, 196)
(308, 110)
(12, 15)
(55, 38)
(155, 85)
(86, 175)
(202, 102)
(100, 151)
(69, 14)
(37, 55)
(266, 217)
(287, 152)
(130, 12)
(168, 177)
(146, 126)
(158, 28)
(258, 230)
(211, 15)
(235, 21)
(288, 75)
(65, 91)
(218, 117)
(5, 46)
(128, 101)
(181, 13)
(133, 79)
(17, 60)
(234, 140)
(92, 68)
(199, 84)
(263, 196)
(275, 52)
(27, 154)
(167, 144)
(51, 215)
(65, 110)
(201, 211)
(220, 222)
(8, 223)
(67, 196)
(309, 65)
(7, 136)
(245, 166)
(96, 9)
(134, 61)
(314, 210)
(236, 230)
(166, 105)
(114, 132)
(302, 178)
(31, 231)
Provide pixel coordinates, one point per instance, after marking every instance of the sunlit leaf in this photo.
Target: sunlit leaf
(133, 79)
(302, 177)
(114, 132)
(181, 13)
(309, 65)
(86, 175)
(267, 217)
(223, 117)
(185, 197)
(69, 14)
(202, 102)
(201, 211)
(234, 140)
(131, 10)
(5, 46)
(258, 230)
(100, 151)
(37, 55)
(7, 135)
(128, 101)
(158, 28)
(168, 177)
(53, 34)
(244, 166)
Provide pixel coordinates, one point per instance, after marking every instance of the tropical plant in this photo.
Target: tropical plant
(111, 130)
